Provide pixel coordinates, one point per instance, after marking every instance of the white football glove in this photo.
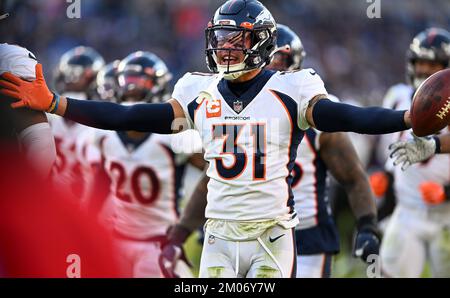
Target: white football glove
(412, 151)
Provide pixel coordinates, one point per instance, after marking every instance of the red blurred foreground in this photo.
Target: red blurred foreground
(43, 233)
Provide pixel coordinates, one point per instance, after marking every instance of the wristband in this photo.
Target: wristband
(55, 103)
(438, 144)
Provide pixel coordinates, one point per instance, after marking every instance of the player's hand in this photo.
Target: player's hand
(172, 251)
(412, 151)
(432, 193)
(379, 183)
(34, 95)
(367, 240)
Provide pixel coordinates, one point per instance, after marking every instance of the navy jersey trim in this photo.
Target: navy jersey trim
(131, 142)
(244, 92)
(178, 172)
(192, 107)
(296, 136)
(320, 179)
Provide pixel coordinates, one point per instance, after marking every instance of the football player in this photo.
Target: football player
(418, 230)
(87, 153)
(106, 81)
(316, 235)
(145, 169)
(75, 76)
(28, 129)
(251, 121)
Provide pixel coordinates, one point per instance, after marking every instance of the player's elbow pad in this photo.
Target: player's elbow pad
(330, 116)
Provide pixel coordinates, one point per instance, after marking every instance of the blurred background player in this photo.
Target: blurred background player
(145, 169)
(88, 155)
(75, 76)
(28, 130)
(320, 152)
(106, 82)
(418, 231)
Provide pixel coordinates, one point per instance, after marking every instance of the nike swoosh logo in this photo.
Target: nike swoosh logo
(276, 238)
(31, 56)
(313, 73)
(359, 251)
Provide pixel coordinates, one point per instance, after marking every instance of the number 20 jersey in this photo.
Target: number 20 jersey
(145, 181)
(250, 149)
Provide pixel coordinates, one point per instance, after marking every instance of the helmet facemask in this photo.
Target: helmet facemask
(136, 86)
(234, 51)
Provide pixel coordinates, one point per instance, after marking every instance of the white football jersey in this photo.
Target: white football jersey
(251, 150)
(309, 182)
(36, 140)
(392, 100)
(144, 180)
(436, 169)
(68, 166)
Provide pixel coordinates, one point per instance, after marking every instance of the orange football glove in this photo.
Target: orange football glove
(432, 193)
(379, 183)
(34, 95)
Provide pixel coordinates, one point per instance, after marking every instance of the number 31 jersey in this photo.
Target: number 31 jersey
(251, 140)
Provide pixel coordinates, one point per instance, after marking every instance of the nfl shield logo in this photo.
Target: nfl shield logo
(238, 106)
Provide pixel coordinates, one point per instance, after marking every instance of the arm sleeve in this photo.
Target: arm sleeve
(329, 116)
(149, 117)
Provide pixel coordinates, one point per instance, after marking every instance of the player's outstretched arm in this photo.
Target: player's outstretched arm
(329, 116)
(340, 156)
(35, 95)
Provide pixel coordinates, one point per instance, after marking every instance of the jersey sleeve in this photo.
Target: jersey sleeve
(18, 61)
(310, 86)
(39, 146)
(181, 93)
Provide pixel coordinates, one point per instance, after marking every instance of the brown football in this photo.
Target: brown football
(430, 109)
